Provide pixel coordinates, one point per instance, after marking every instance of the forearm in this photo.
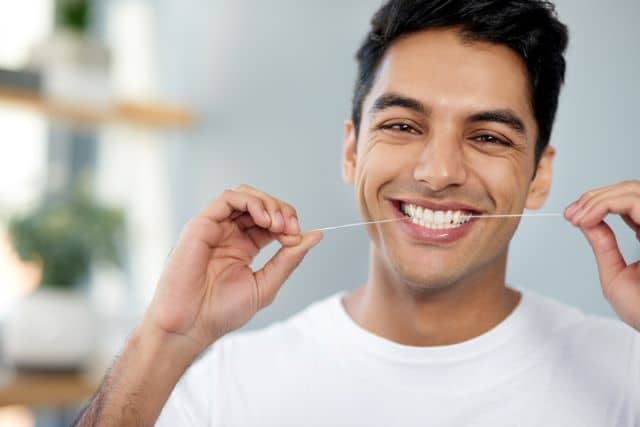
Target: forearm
(139, 383)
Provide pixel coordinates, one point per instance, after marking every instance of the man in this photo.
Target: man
(452, 115)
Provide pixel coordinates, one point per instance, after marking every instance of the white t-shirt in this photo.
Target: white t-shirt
(546, 364)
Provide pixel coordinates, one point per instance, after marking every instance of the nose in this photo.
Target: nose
(441, 162)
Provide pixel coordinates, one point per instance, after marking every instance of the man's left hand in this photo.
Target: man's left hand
(620, 281)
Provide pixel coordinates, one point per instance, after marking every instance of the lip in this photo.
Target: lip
(427, 235)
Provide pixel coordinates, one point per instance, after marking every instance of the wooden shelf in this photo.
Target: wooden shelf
(133, 113)
(51, 390)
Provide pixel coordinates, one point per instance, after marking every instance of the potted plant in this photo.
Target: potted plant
(53, 327)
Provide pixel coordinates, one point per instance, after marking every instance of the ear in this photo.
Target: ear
(349, 153)
(541, 184)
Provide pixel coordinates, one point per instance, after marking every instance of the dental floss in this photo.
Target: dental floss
(335, 227)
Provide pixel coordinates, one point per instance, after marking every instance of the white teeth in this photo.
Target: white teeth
(448, 217)
(427, 216)
(436, 220)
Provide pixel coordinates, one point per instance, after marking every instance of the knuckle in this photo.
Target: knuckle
(255, 202)
(271, 204)
(192, 223)
(227, 192)
(192, 227)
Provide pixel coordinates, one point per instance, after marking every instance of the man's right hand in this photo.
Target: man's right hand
(208, 287)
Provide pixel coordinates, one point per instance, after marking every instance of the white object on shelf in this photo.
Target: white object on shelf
(75, 69)
(50, 329)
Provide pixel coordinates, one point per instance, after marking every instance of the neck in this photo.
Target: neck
(389, 307)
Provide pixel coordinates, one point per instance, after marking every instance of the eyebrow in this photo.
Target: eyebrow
(389, 100)
(505, 117)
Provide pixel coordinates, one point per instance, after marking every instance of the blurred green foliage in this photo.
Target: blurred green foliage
(66, 234)
(72, 15)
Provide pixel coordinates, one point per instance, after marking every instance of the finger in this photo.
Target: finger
(591, 195)
(261, 237)
(193, 249)
(605, 248)
(274, 273)
(291, 219)
(289, 240)
(623, 204)
(613, 191)
(594, 196)
(231, 202)
(199, 229)
(286, 217)
(245, 221)
(574, 207)
(271, 204)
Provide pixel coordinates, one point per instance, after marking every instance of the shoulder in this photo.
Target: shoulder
(290, 338)
(245, 362)
(576, 328)
(579, 328)
(589, 343)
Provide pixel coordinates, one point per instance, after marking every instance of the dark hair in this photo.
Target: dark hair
(529, 27)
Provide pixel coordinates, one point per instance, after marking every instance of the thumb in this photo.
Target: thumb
(605, 248)
(271, 277)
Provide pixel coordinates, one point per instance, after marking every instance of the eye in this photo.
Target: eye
(490, 139)
(401, 127)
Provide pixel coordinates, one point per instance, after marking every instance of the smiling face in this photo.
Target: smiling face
(447, 126)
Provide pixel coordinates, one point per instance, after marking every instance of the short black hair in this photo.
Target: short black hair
(528, 27)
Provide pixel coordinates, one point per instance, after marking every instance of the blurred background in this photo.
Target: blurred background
(121, 119)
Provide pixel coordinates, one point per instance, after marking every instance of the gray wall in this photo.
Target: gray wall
(273, 82)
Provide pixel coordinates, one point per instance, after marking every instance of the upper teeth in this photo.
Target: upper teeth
(434, 219)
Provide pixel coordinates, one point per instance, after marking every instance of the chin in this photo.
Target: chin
(424, 279)
(431, 282)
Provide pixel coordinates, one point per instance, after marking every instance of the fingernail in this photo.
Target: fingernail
(571, 209)
(278, 220)
(316, 239)
(578, 217)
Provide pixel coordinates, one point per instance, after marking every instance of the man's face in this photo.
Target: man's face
(447, 131)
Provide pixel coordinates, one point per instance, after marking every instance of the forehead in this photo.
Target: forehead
(447, 73)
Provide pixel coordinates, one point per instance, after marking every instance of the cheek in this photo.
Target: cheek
(503, 180)
(375, 168)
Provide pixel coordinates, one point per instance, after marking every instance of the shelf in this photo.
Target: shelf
(132, 113)
(54, 390)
